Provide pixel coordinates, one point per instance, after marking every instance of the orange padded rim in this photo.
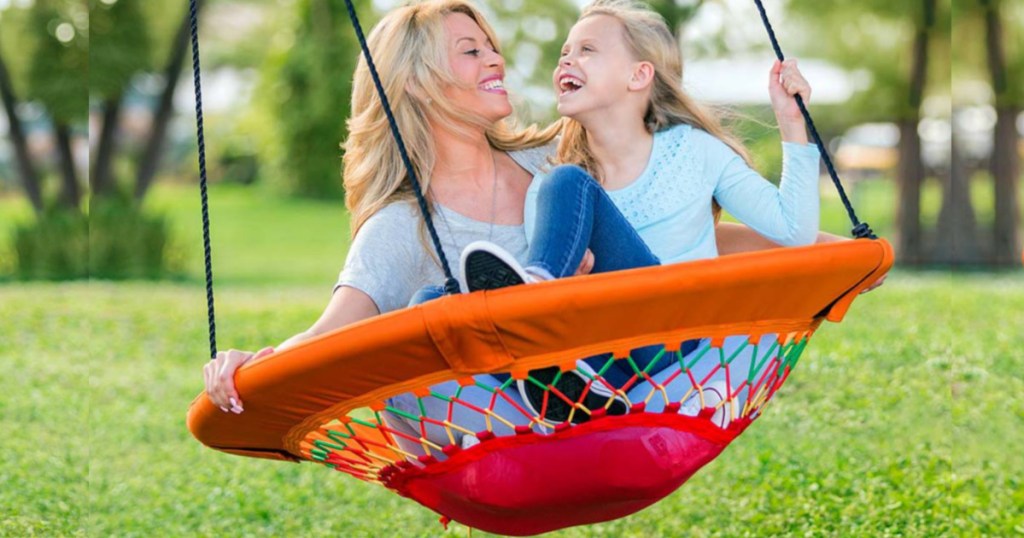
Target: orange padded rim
(290, 394)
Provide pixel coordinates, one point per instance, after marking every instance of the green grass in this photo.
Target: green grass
(905, 420)
(257, 237)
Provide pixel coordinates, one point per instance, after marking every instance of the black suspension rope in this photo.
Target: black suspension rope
(860, 229)
(451, 286)
(194, 23)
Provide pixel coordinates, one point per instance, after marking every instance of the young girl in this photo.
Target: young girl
(663, 163)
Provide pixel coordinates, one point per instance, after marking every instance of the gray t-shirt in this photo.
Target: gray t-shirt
(389, 261)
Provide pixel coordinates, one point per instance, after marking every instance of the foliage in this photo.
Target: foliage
(875, 37)
(120, 45)
(116, 240)
(53, 247)
(126, 242)
(60, 65)
(891, 425)
(309, 86)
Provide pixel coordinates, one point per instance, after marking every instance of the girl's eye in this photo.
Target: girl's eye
(587, 49)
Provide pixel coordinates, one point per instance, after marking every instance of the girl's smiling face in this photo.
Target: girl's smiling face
(478, 67)
(595, 68)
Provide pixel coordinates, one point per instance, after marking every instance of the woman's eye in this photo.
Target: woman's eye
(473, 52)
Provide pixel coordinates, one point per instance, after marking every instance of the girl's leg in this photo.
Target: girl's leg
(574, 213)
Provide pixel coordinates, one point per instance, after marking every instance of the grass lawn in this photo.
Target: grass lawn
(905, 420)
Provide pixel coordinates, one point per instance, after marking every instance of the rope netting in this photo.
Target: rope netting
(726, 382)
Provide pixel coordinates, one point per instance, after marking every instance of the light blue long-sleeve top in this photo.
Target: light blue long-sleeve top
(669, 205)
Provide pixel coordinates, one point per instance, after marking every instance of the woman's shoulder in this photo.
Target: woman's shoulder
(396, 217)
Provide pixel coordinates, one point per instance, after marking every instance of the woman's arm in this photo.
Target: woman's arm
(347, 305)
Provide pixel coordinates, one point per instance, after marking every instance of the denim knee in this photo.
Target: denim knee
(426, 293)
(565, 176)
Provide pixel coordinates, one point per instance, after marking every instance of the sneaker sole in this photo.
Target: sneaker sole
(484, 271)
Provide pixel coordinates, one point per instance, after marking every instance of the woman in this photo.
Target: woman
(441, 68)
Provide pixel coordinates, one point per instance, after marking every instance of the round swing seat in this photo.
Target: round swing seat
(332, 399)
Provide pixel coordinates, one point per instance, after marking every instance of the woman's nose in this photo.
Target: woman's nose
(496, 59)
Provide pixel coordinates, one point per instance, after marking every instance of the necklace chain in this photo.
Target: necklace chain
(494, 207)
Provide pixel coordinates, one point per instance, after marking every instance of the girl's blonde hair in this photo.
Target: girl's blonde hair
(410, 51)
(649, 39)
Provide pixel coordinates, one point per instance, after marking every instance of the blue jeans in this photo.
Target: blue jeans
(575, 213)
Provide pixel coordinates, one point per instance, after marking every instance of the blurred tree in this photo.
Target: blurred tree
(27, 170)
(57, 79)
(120, 48)
(150, 160)
(863, 36)
(988, 72)
(309, 85)
(1008, 87)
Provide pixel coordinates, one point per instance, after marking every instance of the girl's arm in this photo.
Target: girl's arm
(787, 214)
(347, 305)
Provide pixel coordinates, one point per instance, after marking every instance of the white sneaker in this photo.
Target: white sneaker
(486, 266)
(714, 392)
(469, 440)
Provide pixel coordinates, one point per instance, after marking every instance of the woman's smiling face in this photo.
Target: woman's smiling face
(478, 67)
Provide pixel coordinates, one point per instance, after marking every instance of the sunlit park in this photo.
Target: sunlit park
(903, 419)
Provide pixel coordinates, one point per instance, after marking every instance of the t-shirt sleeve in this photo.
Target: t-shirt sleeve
(383, 255)
(787, 214)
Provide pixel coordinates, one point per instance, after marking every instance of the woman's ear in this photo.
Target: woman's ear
(643, 76)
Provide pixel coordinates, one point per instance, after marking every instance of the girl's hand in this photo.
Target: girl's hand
(219, 375)
(784, 82)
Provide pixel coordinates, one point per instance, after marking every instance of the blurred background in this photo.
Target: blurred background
(896, 424)
(915, 98)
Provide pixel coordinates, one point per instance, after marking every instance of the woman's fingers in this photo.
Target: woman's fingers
(219, 375)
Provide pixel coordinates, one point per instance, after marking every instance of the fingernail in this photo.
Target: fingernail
(237, 410)
(225, 409)
(234, 403)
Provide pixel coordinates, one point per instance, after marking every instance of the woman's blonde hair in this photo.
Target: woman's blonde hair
(649, 39)
(410, 50)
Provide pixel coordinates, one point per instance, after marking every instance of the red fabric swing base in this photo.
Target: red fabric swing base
(602, 470)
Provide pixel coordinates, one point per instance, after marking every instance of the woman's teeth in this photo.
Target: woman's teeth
(493, 85)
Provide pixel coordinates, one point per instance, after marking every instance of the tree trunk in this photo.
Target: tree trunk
(155, 143)
(1005, 162)
(29, 178)
(911, 176)
(911, 169)
(71, 193)
(102, 173)
(956, 238)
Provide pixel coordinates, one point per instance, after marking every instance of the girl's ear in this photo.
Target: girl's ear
(643, 76)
